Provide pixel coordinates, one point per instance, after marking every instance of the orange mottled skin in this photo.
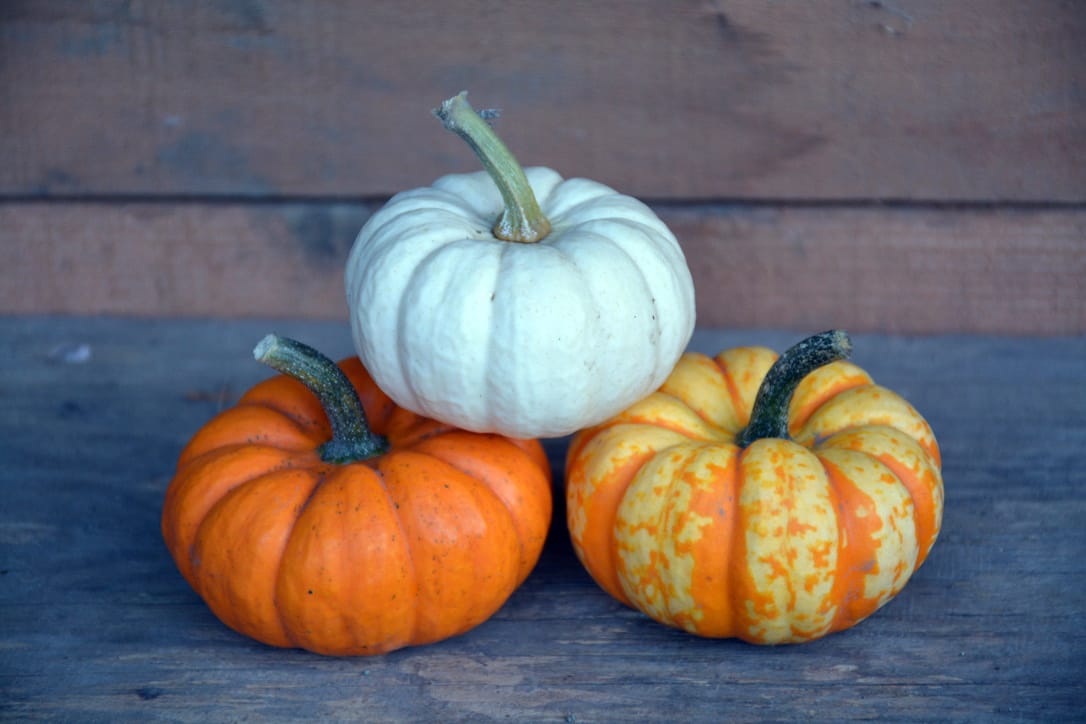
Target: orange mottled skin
(781, 541)
(415, 545)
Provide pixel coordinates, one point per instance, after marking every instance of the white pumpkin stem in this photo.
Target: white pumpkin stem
(522, 220)
(769, 418)
(352, 440)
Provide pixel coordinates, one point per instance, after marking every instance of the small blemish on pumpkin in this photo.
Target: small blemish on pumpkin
(310, 592)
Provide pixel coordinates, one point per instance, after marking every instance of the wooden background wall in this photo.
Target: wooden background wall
(914, 166)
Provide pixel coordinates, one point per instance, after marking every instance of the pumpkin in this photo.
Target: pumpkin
(302, 526)
(516, 301)
(772, 500)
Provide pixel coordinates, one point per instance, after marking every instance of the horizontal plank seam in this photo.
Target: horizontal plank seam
(665, 204)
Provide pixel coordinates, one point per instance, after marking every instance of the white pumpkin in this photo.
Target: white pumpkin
(523, 339)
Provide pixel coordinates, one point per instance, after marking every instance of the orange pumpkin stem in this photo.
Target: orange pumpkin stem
(352, 440)
(522, 220)
(769, 418)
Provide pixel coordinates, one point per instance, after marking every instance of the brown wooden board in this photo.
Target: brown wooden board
(872, 99)
(96, 625)
(868, 268)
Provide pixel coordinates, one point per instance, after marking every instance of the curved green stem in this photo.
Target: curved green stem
(352, 440)
(770, 415)
(522, 220)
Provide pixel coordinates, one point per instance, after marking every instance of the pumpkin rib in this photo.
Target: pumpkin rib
(668, 423)
(611, 207)
(643, 521)
(482, 489)
(724, 432)
(712, 485)
(547, 199)
(271, 393)
(236, 426)
(416, 618)
(664, 525)
(566, 217)
(492, 352)
(927, 503)
(407, 545)
(469, 609)
(636, 266)
(807, 620)
(843, 585)
(850, 410)
(584, 230)
(497, 477)
(797, 425)
(730, 384)
(719, 620)
(789, 550)
(836, 596)
(859, 499)
(815, 390)
(319, 478)
(691, 374)
(777, 475)
(533, 451)
(741, 582)
(412, 436)
(911, 486)
(737, 545)
(328, 597)
(227, 605)
(592, 539)
(181, 537)
(403, 316)
(612, 522)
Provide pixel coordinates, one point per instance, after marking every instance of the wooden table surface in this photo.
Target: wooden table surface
(97, 625)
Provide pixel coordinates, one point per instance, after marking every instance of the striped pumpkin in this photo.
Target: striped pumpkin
(774, 513)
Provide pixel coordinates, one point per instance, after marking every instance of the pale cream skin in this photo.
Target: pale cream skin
(524, 339)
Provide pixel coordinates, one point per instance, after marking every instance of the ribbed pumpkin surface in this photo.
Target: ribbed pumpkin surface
(781, 541)
(410, 547)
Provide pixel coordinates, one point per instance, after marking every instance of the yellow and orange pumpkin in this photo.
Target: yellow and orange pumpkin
(773, 500)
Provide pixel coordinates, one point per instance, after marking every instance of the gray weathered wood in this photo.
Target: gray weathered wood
(908, 270)
(898, 99)
(97, 625)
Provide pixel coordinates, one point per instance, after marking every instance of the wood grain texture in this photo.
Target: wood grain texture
(97, 625)
(890, 269)
(996, 271)
(872, 99)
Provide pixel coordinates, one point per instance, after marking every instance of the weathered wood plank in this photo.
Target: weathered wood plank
(177, 259)
(891, 269)
(916, 99)
(888, 269)
(97, 625)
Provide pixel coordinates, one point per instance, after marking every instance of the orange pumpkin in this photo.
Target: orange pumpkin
(302, 527)
(770, 501)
